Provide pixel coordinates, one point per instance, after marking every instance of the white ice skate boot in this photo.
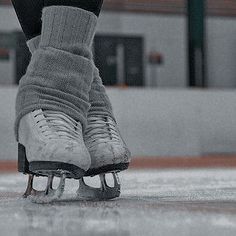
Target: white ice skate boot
(51, 144)
(109, 154)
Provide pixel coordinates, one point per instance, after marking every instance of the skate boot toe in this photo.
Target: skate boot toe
(107, 149)
(109, 154)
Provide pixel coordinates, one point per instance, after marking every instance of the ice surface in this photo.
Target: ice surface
(167, 202)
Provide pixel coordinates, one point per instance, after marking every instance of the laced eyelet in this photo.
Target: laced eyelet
(101, 129)
(58, 124)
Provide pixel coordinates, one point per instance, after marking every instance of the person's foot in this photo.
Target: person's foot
(107, 149)
(52, 144)
(109, 154)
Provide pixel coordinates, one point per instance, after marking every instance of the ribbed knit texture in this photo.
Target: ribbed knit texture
(60, 73)
(33, 44)
(98, 98)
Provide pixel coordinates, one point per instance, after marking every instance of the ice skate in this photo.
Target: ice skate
(109, 154)
(51, 144)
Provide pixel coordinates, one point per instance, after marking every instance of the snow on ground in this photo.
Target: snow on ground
(167, 202)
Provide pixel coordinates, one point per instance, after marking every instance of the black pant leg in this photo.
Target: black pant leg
(29, 15)
(88, 5)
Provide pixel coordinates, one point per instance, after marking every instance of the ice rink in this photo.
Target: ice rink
(168, 67)
(157, 202)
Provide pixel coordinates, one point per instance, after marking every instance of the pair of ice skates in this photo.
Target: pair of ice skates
(52, 144)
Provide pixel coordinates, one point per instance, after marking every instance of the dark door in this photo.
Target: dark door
(134, 61)
(120, 59)
(105, 59)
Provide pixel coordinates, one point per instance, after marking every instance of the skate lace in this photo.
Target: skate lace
(101, 129)
(58, 124)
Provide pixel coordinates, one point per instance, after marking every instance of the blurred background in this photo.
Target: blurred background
(169, 67)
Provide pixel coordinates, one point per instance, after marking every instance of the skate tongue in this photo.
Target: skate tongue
(101, 129)
(55, 124)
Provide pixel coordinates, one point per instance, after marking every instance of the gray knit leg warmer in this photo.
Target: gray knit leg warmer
(98, 98)
(60, 73)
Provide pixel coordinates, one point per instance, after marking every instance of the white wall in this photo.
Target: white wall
(166, 34)
(8, 146)
(155, 122)
(221, 52)
(8, 20)
(8, 23)
(6, 72)
(176, 122)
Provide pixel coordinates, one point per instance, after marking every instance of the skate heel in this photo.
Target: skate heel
(23, 164)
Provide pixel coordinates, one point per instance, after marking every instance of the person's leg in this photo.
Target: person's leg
(53, 96)
(60, 73)
(29, 15)
(29, 12)
(101, 112)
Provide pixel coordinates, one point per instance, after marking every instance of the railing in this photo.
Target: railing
(222, 7)
(154, 6)
(214, 7)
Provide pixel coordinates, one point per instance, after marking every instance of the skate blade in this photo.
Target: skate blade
(47, 196)
(105, 192)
